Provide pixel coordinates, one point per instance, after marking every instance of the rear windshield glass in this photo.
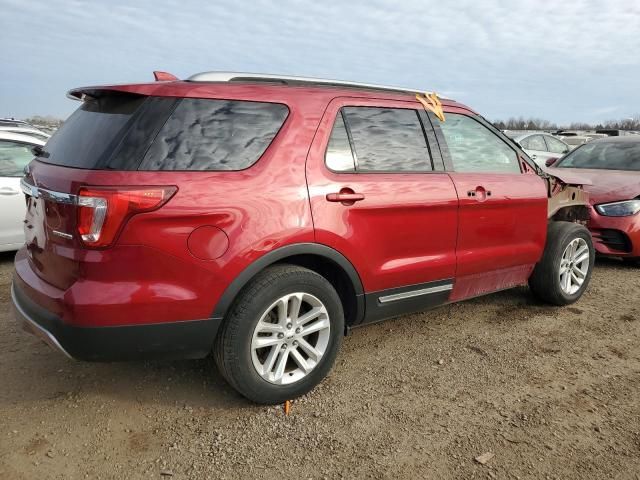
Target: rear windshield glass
(624, 155)
(215, 135)
(92, 132)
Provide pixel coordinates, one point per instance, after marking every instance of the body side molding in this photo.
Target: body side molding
(393, 302)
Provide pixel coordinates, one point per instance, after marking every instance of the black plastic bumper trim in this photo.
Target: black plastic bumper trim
(167, 340)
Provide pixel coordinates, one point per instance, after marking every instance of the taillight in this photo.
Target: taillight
(103, 211)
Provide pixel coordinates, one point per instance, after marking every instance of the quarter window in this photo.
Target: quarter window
(555, 145)
(339, 157)
(387, 139)
(474, 148)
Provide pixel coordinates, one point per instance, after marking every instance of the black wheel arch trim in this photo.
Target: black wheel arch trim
(318, 249)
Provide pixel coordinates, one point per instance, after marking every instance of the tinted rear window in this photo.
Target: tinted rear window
(92, 132)
(215, 135)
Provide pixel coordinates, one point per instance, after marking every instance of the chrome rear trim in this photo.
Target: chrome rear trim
(62, 234)
(38, 192)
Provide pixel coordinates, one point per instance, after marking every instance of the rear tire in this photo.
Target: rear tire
(264, 348)
(563, 273)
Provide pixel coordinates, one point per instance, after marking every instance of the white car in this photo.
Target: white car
(15, 154)
(540, 146)
(30, 131)
(575, 141)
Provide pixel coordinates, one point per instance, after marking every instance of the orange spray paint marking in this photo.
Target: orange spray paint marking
(432, 103)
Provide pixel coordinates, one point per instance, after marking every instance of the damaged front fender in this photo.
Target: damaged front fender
(568, 201)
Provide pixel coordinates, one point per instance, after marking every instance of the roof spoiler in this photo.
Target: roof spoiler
(164, 76)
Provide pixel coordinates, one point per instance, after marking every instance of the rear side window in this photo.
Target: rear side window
(92, 132)
(205, 134)
(475, 148)
(387, 139)
(534, 142)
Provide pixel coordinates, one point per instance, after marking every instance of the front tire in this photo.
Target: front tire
(563, 273)
(282, 335)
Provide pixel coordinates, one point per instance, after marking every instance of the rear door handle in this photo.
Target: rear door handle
(346, 196)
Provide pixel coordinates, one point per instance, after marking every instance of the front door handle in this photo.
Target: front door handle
(480, 193)
(346, 196)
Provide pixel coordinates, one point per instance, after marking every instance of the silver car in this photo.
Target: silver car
(539, 146)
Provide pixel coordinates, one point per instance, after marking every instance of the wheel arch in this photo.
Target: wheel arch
(326, 261)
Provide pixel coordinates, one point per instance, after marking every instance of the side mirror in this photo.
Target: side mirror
(550, 161)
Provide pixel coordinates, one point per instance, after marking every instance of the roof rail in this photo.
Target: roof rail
(292, 80)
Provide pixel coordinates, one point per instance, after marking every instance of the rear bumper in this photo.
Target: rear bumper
(184, 339)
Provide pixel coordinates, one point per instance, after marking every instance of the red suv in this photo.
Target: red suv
(261, 217)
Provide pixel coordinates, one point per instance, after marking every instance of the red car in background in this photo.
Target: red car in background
(612, 166)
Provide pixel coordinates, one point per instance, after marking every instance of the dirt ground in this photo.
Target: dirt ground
(550, 392)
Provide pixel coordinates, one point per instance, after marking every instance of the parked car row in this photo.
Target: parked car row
(261, 217)
(542, 146)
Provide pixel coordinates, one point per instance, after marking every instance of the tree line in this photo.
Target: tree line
(521, 123)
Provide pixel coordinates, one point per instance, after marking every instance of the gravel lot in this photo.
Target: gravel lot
(551, 393)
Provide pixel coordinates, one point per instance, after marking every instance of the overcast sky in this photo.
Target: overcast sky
(559, 60)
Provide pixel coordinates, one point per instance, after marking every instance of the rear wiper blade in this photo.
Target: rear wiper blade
(38, 151)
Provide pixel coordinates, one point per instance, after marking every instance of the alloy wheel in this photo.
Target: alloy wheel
(574, 266)
(290, 338)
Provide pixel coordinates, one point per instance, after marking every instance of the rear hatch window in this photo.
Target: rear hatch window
(92, 132)
(121, 131)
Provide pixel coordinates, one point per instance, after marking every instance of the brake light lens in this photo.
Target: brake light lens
(103, 211)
